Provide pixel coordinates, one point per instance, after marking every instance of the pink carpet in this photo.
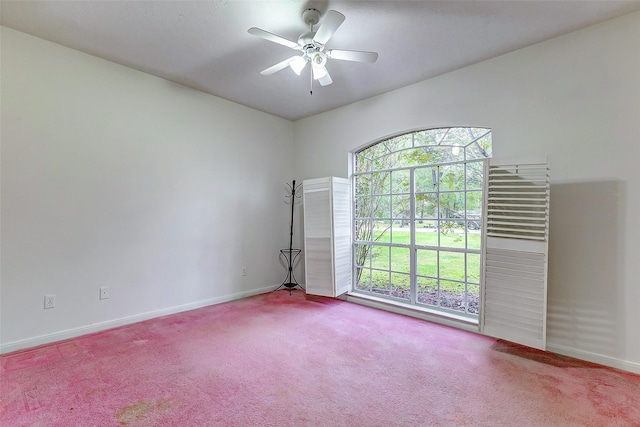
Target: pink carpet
(281, 360)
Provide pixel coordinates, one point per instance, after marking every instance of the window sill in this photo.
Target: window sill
(456, 321)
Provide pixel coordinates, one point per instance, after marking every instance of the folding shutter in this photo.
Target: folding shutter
(327, 236)
(514, 276)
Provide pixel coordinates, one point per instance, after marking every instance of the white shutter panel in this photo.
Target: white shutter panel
(317, 236)
(327, 236)
(342, 244)
(515, 252)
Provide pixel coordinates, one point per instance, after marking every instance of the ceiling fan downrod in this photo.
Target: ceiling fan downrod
(312, 17)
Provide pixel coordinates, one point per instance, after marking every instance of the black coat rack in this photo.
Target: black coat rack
(290, 256)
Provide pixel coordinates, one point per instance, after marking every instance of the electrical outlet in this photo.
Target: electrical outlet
(49, 301)
(244, 271)
(104, 292)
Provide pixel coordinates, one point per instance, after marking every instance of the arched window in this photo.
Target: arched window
(418, 207)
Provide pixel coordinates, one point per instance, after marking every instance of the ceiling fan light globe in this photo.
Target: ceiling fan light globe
(298, 64)
(319, 71)
(319, 58)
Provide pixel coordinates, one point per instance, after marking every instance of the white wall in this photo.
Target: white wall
(576, 99)
(112, 177)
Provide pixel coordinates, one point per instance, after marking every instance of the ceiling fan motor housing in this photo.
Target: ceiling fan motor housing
(306, 40)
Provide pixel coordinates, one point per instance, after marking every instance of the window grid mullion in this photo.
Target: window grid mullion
(413, 254)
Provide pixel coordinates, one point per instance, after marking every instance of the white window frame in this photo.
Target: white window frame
(412, 246)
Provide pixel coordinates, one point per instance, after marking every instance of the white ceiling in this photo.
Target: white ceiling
(205, 44)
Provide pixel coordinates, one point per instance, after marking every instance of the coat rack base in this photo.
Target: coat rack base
(290, 256)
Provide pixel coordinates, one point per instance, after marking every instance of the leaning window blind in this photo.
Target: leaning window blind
(515, 252)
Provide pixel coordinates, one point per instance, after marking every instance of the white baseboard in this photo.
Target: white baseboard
(109, 324)
(600, 359)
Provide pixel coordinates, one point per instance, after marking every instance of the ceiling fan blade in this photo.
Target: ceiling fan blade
(279, 66)
(330, 23)
(352, 55)
(273, 38)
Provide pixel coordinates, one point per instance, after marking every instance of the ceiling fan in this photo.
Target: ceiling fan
(312, 45)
